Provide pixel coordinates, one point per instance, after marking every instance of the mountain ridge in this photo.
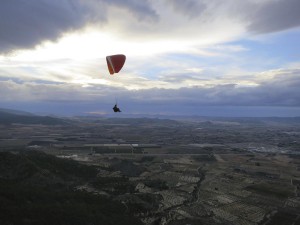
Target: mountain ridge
(8, 116)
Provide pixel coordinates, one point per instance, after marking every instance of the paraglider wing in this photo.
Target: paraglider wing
(115, 63)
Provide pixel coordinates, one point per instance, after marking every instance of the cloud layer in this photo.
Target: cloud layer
(25, 24)
(280, 90)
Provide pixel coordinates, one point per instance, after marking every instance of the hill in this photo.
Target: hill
(36, 188)
(11, 116)
(16, 112)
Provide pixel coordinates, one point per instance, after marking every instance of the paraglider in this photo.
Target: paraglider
(116, 108)
(115, 63)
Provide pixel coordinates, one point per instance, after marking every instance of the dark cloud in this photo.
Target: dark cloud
(24, 24)
(275, 16)
(190, 8)
(141, 9)
(261, 16)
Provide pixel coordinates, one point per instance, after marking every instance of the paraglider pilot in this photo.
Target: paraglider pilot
(116, 108)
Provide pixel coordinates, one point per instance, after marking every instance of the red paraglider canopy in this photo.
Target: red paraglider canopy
(115, 63)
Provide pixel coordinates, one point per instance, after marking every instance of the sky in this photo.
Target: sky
(191, 57)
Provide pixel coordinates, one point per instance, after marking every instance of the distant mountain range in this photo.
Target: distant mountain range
(8, 116)
(204, 118)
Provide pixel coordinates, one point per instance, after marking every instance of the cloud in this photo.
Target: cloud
(275, 16)
(189, 8)
(24, 24)
(141, 9)
(280, 90)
